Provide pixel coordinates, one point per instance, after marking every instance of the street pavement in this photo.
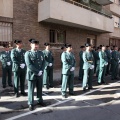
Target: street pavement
(100, 103)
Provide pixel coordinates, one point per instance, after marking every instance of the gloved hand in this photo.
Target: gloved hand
(40, 73)
(106, 64)
(50, 64)
(8, 63)
(92, 67)
(22, 65)
(119, 62)
(72, 69)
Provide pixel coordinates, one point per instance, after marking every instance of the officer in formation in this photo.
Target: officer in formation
(68, 67)
(48, 70)
(35, 62)
(18, 68)
(103, 65)
(6, 66)
(88, 67)
(81, 63)
(115, 63)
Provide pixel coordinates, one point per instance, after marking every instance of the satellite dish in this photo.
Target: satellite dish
(104, 2)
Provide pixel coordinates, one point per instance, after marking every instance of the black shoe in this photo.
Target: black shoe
(64, 96)
(99, 83)
(24, 94)
(116, 78)
(51, 86)
(104, 83)
(11, 85)
(72, 94)
(16, 95)
(41, 104)
(90, 88)
(112, 79)
(84, 89)
(31, 107)
(4, 86)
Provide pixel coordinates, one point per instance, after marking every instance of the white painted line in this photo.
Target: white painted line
(58, 103)
(53, 98)
(39, 109)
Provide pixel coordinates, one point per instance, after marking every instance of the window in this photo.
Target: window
(61, 36)
(5, 33)
(116, 21)
(52, 36)
(91, 41)
(57, 36)
(117, 1)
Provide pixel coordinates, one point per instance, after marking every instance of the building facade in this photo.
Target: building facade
(59, 22)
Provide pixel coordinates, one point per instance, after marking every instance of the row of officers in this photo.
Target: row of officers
(37, 67)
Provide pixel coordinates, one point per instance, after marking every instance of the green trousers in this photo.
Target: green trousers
(67, 80)
(97, 69)
(88, 77)
(101, 76)
(48, 77)
(114, 69)
(7, 71)
(37, 82)
(81, 71)
(19, 76)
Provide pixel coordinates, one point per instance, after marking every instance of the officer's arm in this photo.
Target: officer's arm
(63, 59)
(13, 58)
(29, 64)
(84, 57)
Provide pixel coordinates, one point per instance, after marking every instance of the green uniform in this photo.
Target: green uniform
(6, 68)
(95, 60)
(119, 66)
(103, 66)
(48, 70)
(114, 64)
(97, 63)
(68, 61)
(19, 73)
(88, 67)
(109, 61)
(35, 64)
(81, 66)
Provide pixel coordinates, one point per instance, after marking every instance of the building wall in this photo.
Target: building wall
(26, 26)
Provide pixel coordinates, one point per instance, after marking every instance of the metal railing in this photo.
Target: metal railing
(91, 6)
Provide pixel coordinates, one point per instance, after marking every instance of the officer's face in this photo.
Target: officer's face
(34, 46)
(103, 48)
(116, 48)
(7, 49)
(19, 45)
(48, 47)
(69, 49)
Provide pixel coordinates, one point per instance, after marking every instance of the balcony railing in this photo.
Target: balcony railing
(93, 6)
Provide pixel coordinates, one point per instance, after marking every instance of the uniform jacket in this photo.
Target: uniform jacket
(17, 59)
(4, 58)
(68, 61)
(103, 58)
(35, 63)
(87, 57)
(48, 58)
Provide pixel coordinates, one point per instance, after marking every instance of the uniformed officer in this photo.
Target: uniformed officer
(88, 67)
(34, 59)
(18, 68)
(103, 65)
(81, 63)
(63, 48)
(48, 70)
(68, 62)
(119, 62)
(109, 59)
(97, 61)
(6, 66)
(114, 63)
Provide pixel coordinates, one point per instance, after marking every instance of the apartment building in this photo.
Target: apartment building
(58, 22)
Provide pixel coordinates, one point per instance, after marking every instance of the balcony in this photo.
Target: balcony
(104, 2)
(116, 33)
(115, 8)
(6, 8)
(71, 13)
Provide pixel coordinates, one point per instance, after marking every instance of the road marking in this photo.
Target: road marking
(53, 98)
(59, 103)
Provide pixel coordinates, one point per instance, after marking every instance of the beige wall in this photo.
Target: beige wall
(58, 11)
(6, 8)
(116, 33)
